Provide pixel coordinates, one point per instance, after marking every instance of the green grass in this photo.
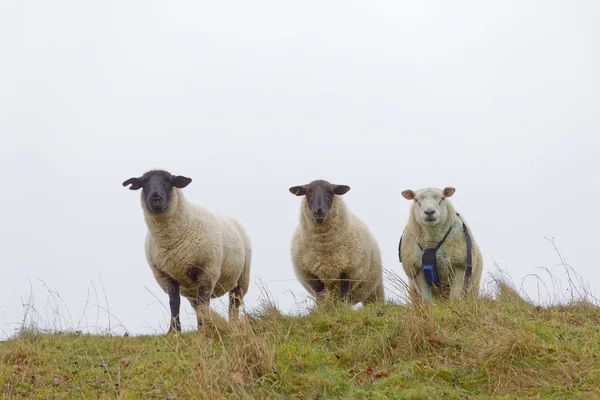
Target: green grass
(489, 348)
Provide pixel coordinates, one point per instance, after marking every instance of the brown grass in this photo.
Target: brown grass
(497, 346)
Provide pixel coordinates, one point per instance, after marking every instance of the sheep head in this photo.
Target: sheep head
(430, 205)
(319, 197)
(157, 187)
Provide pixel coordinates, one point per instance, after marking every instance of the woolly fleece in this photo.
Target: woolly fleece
(186, 235)
(451, 257)
(342, 244)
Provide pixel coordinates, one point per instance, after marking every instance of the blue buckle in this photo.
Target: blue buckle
(430, 276)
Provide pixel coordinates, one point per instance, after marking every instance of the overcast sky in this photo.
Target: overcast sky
(500, 100)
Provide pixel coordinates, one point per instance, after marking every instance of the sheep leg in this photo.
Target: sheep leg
(344, 286)
(423, 287)
(202, 302)
(236, 296)
(456, 285)
(415, 297)
(205, 286)
(235, 300)
(171, 287)
(174, 304)
(317, 286)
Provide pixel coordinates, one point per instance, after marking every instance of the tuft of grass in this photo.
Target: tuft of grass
(499, 346)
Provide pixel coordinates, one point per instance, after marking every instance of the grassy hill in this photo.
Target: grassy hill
(491, 348)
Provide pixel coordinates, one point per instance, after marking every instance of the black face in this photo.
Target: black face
(157, 187)
(319, 197)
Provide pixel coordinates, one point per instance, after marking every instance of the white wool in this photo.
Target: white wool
(341, 244)
(186, 235)
(451, 258)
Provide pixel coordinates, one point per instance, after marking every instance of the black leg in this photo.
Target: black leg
(317, 285)
(344, 286)
(174, 304)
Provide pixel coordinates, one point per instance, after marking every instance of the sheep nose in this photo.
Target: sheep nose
(155, 197)
(429, 212)
(319, 213)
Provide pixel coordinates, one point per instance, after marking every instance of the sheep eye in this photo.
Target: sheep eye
(418, 202)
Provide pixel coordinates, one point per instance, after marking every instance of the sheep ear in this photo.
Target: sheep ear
(298, 190)
(408, 194)
(136, 183)
(449, 191)
(340, 189)
(180, 181)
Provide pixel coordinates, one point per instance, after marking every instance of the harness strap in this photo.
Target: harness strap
(399, 247)
(445, 236)
(469, 271)
(429, 255)
(429, 260)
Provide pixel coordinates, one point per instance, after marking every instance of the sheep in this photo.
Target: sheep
(191, 251)
(433, 218)
(332, 250)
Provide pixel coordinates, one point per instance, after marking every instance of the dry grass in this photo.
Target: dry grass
(500, 346)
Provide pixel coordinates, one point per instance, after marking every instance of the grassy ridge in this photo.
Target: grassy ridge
(502, 348)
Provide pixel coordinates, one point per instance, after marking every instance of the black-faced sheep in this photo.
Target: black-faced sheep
(191, 251)
(333, 252)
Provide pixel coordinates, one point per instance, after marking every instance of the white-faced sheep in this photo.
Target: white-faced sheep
(191, 251)
(437, 237)
(333, 252)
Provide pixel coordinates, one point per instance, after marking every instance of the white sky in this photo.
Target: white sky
(500, 100)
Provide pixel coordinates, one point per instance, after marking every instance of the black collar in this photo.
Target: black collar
(443, 239)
